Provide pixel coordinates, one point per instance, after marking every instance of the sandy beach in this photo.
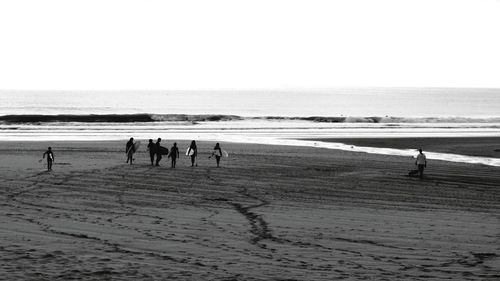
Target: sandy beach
(269, 213)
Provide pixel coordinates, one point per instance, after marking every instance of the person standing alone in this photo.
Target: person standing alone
(421, 163)
(50, 158)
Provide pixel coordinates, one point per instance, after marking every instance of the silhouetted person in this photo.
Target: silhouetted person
(158, 151)
(217, 153)
(152, 151)
(129, 150)
(174, 154)
(50, 158)
(194, 150)
(421, 162)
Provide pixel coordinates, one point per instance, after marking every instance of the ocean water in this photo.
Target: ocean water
(267, 117)
(398, 102)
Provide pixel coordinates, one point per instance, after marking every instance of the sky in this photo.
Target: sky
(257, 44)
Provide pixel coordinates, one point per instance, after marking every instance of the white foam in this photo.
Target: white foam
(374, 150)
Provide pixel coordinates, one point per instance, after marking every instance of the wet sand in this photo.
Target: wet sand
(472, 146)
(269, 213)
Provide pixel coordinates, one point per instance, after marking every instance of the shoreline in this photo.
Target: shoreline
(471, 146)
(472, 150)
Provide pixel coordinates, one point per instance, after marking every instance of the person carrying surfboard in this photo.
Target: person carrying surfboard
(50, 158)
(158, 151)
(174, 154)
(193, 152)
(129, 150)
(217, 153)
(152, 151)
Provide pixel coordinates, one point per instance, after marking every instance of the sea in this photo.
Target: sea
(284, 117)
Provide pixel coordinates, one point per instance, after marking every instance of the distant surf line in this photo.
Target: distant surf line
(150, 117)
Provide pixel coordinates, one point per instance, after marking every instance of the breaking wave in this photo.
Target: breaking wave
(133, 118)
(388, 119)
(115, 118)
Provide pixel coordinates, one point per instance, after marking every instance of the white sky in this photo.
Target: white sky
(161, 45)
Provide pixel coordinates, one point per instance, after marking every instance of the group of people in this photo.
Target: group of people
(156, 150)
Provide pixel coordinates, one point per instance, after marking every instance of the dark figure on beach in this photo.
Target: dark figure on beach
(50, 158)
(152, 151)
(217, 153)
(129, 150)
(158, 151)
(194, 150)
(174, 154)
(421, 162)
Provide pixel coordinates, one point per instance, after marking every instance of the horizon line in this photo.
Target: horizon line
(282, 89)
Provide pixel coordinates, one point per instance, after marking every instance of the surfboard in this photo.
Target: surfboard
(189, 153)
(217, 153)
(163, 150)
(414, 173)
(136, 146)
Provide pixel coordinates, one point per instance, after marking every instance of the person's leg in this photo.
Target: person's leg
(421, 170)
(158, 158)
(192, 160)
(217, 158)
(152, 156)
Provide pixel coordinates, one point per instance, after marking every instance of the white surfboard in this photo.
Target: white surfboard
(136, 146)
(217, 153)
(188, 152)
